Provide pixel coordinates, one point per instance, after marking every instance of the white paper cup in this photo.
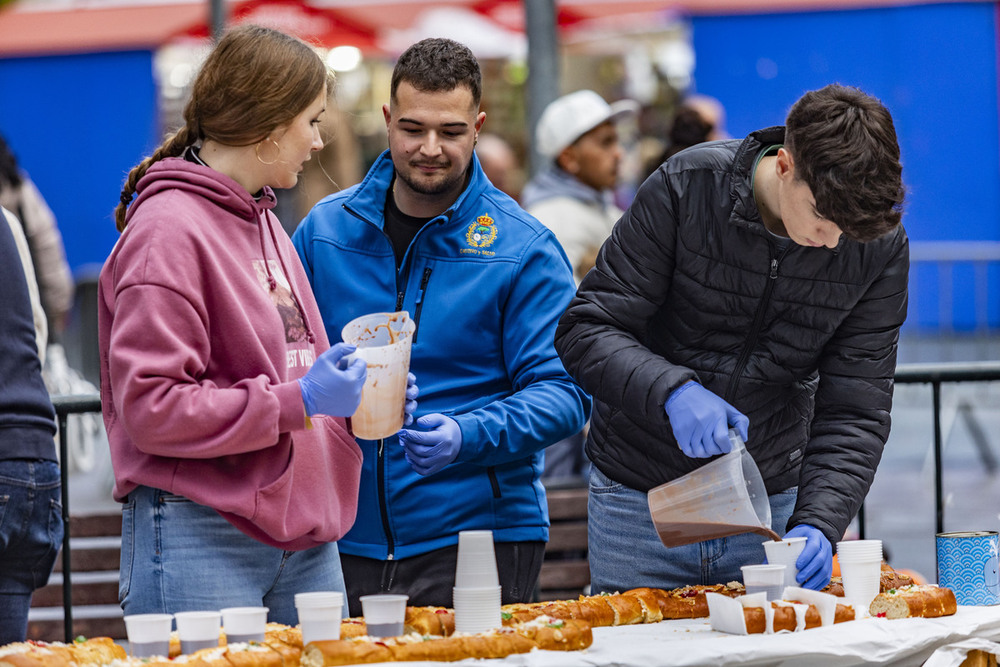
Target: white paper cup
(785, 552)
(859, 550)
(198, 630)
(861, 582)
(244, 624)
(320, 614)
(477, 562)
(148, 634)
(769, 579)
(383, 341)
(384, 614)
(476, 609)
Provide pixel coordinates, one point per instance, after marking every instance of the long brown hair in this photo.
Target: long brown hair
(255, 80)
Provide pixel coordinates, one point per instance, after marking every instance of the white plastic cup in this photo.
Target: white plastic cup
(477, 562)
(769, 578)
(148, 634)
(198, 630)
(861, 583)
(859, 550)
(785, 552)
(319, 615)
(476, 609)
(384, 614)
(244, 624)
(383, 341)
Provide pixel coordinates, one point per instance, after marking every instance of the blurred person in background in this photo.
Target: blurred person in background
(574, 196)
(224, 404)
(32, 528)
(499, 163)
(426, 232)
(19, 195)
(758, 284)
(695, 120)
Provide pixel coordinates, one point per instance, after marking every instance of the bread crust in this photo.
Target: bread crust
(924, 601)
(785, 618)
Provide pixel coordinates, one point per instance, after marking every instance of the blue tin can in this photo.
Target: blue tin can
(967, 564)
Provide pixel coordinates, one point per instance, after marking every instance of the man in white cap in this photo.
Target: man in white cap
(574, 197)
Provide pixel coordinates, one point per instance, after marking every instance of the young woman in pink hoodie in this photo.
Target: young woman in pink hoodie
(224, 403)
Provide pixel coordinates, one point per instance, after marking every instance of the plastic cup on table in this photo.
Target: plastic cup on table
(860, 571)
(319, 615)
(785, 552)
(148, 634)
(198, 630)
(476, 609)
(244, 624)
(477, 562)
(768, 578)
(384, 614)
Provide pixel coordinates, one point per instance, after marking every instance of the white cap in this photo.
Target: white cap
(571, 116)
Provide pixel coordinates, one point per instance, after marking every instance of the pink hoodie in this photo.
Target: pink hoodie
(206, 320)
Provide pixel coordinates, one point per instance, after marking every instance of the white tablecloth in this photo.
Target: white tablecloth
(872, 641)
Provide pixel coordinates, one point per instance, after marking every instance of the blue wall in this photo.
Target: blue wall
(935, 68)
(77, 124)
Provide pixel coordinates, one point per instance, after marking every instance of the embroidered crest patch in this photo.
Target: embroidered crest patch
(482, 232)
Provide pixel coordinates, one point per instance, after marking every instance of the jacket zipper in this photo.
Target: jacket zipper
(419, 303)
(494, 483)
(758, 323)
(383, 504)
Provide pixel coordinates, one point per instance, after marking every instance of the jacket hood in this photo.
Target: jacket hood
(176, 173)
(555, 182)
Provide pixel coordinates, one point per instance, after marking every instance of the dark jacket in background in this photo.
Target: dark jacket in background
(801, 340)
(27, 419)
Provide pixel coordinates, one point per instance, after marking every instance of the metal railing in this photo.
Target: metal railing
(66, 406)
(936, 375)
(949, 259)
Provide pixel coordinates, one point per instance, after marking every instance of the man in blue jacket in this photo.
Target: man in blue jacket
(426, 232)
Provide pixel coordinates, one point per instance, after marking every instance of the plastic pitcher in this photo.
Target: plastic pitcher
(383, 341)
(723, 497)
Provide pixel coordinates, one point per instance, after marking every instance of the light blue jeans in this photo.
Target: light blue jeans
(626, 552)
(178, 555)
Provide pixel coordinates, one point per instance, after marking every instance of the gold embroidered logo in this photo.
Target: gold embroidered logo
(482, 232)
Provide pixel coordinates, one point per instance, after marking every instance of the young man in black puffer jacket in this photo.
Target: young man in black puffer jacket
(756, 284)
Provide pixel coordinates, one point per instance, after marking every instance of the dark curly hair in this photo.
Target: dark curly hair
(844, 146)
(436, 65)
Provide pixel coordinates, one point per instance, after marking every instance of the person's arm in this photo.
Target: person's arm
(853, 402)
(599, 338)
(159, 351)
(546, 405)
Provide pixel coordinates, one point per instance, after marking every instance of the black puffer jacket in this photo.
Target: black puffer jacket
(802, 340)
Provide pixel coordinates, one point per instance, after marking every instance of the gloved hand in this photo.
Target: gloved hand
(701, 421)
(412, 391)
(815, 563)
(333, 386)
(429, 451)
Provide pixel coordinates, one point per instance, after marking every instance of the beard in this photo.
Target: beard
(432, 186)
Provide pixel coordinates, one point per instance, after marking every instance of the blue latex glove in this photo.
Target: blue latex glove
(333, 385)
(412, 391)
(429, 451)
(815, 563)
(701, 421)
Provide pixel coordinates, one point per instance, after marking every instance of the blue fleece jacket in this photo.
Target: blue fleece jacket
(485, 283)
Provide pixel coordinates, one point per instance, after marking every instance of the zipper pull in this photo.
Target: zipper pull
(423, 285)
(381, 446)
(399, 299)
(774, 268)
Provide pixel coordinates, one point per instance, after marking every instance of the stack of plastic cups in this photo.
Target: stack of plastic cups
(861, 571)
(476, 596)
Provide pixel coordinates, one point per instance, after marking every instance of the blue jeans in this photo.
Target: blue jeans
(626, 552)
(178, 555)
(31, 532)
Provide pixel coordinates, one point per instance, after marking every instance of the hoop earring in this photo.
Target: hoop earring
(256, 149)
